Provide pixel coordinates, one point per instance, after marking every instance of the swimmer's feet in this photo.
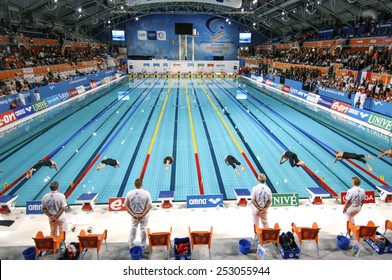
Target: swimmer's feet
(369, 167)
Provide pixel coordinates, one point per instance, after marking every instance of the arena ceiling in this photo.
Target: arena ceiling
(278, 16)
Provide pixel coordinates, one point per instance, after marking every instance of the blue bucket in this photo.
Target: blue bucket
(343, 242)
(244, 246)
(29, 253)
(136, 253)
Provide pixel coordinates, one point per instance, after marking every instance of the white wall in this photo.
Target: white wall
(184, 67)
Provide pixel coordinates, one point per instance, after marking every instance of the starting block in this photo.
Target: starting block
(166, 198)
(385, 193)
(242, 196)
(7, 203)
(316, 195)
(88, 200)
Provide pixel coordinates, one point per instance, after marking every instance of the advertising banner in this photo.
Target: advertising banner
(300, 93)
(358, 113)
(204, 201)
(73, 92)
(28, 74)
(80, 89)
(369, 197)
(380, 106)
(340, 107)
(325, 101)
(380, 121)
(23, 111)
(285, 199)
(142, 35)
(51, 100)
(151, 35)
(117, 204)
(286, 88)
(7, 118)
(63, 96)
(313, 97)
(39, 105)
(34, 207)
(161, 35)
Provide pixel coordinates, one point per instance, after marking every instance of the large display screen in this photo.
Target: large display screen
(183, 28)
(245, 37)
(118, 35)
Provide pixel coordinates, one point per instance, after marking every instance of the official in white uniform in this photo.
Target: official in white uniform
(138, 204)
(354, 200)
(53, 205)
(261, 201)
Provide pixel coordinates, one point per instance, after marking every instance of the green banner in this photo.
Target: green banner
(380, 121)
(279, 86)
(40, 105)
(285, 199)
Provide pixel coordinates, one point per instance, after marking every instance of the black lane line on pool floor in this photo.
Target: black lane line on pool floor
(211, 146)
(120, 192)
(253, 156)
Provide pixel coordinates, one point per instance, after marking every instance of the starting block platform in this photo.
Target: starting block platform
(385, 193)
(7, 203)
(242, 196)
(166, 198)
(88, 200)
(316, 195)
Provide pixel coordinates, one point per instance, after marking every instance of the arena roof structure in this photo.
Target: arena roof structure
(278, 16)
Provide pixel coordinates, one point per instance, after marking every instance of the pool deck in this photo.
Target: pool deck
(231, 223)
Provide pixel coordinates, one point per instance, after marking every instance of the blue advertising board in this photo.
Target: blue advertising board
(23, 111)
(293, 84)
(204, 201)
(63, 96)
(381, 107)
(325, 101)
(34, 207)
(300, 93)
(52, 100)
(358, 113)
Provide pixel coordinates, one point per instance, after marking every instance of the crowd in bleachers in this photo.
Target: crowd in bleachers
(377, 61)
(14, 56)
(18, 57)
(312, 79)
